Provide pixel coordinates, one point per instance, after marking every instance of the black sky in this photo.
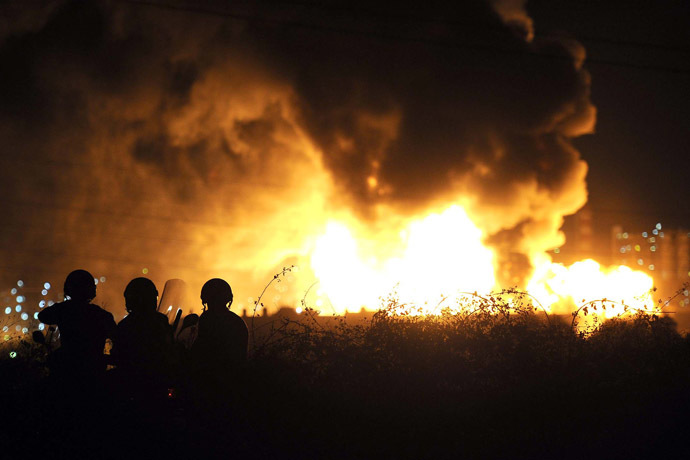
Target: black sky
(639, 155)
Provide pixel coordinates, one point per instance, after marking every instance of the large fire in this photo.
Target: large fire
(443, 255)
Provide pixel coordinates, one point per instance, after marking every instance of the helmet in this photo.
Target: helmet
(216, 291)
(80, 285)
(141, 292)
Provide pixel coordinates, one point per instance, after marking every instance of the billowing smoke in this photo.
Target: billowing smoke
(217, 139)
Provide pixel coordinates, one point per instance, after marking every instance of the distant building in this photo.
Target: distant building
(663, 253)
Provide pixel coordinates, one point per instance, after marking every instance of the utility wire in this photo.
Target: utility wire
(396, 37)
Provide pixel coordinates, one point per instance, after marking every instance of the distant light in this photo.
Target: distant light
(625, 235)
(655, 231)
(645, 234)
(5, 329)
(8, 310)
(661, 234)
(20, 283)
(640, 262)
(41, 326)
(686, 293)
(17, 328)
(102, 279)
(7, 337)
(557, 251)
(20, 298)
(622, 250)
(13, 291)
(651, 267)
(319, 302)
(658, 226)
(637, 248)
(170, 308)
(25, 330)
(42, 303)
(299, 310)
(44, 292)
(46, 285)
(18, 308)
(145, 271)
(652, 240)
(25, 316)
(51, 303)
(95, 281)
(13, 354)
(652, 248)
(36, 315)
(628, 247)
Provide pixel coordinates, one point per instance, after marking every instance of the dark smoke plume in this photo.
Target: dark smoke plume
(215, 137)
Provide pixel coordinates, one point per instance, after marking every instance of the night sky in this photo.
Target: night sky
(638, 156)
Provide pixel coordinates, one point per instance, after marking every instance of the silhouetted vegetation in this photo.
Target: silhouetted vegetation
(492, 378)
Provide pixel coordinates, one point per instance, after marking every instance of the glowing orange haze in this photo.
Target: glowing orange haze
(442, 254)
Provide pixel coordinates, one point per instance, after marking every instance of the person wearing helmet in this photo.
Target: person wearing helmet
(221, 345)
(83, 327)
(142, 346)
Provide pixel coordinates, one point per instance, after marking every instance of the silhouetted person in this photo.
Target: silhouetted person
(142, 346)
(188, 332)
(220, 349)
(83, 327)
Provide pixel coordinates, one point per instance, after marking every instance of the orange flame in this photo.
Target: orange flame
(442, 255)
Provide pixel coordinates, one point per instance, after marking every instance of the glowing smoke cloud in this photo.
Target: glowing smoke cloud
(199, 144)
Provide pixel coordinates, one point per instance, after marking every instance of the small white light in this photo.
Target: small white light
(44, 292)
(25, 316)
(658, 226)
(46, 285)
(95, 280)
(42, 303)
(102, 279)
(645, 234)
(20, 283)
(25, 330)
(651, 267)
(5, 329)
(18, 308)
(51, 303)
(298, 310)
(41, 326)
(20, 298)
(8, 310)
(36, 315)
(13, 291)
(655, 231)
(13, 354)
(17, 328)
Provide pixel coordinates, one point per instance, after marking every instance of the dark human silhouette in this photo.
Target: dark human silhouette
(83, 327)
(220, 349)
(142, 346)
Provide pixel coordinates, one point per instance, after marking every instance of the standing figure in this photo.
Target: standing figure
(142, 346)
(220, 349)
(83, 328)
